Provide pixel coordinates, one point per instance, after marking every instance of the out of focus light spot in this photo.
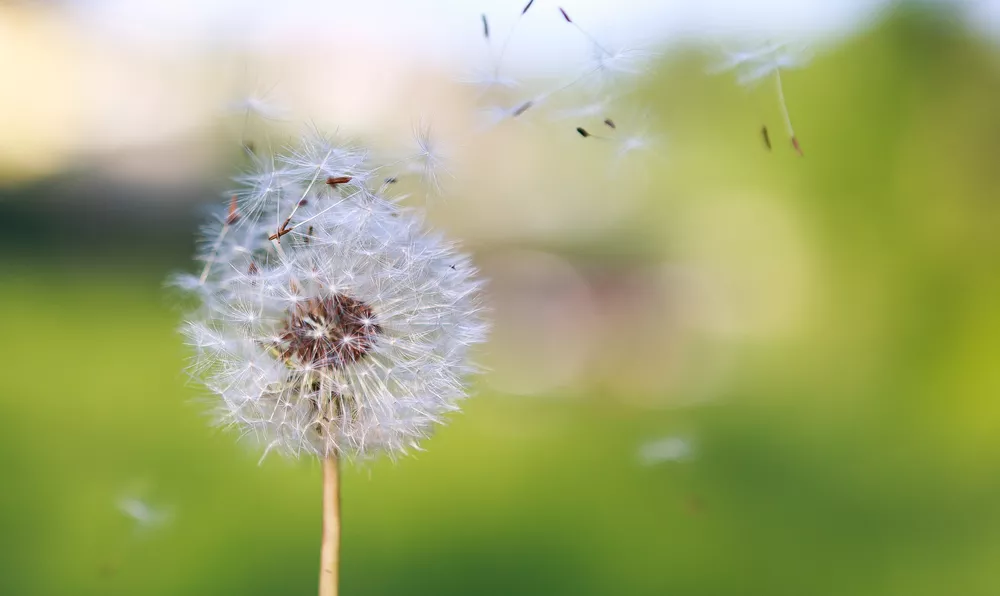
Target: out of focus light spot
(667, 449)
(544, 321)
(753, 248)
(37, 108)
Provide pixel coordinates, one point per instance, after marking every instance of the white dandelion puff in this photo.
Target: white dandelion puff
(331, 322)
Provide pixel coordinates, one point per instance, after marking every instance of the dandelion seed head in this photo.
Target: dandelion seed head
(330, 320)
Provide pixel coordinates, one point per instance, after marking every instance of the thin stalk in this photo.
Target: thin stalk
(784, 112)
(329, 559)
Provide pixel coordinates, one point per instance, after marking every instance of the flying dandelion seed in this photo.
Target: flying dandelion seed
(256, 105)
(332, 323)
(631, 134)
(607, 63)
(771, 59)
(430, 159)
(766, 137)
(492, 76)
(524, 107)
(605, 72)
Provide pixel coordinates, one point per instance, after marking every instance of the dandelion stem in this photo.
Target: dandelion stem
(329, 560)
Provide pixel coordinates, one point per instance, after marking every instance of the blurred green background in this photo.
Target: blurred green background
(855, 452)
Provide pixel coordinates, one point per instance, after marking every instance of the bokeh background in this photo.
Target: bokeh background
(717, 369)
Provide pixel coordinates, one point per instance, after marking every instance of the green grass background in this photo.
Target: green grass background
(860, 456)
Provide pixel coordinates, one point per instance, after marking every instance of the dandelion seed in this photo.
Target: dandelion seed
(335, 180)
(771, 59)
(233, 215)
(524, 107)
(430, 158)
(256, 105)
(767, 137)
(496, 114)
(610, 123)
(631, 135)
(582, 132)
(606, 64)
(491, 77)
(589, 37)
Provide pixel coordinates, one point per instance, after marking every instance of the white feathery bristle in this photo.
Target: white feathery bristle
(758, 63)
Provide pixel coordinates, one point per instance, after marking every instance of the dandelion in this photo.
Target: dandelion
(330, 322)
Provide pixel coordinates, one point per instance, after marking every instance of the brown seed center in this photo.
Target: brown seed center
(329, 332)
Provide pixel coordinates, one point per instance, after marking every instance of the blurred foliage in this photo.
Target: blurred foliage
(858, 455)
